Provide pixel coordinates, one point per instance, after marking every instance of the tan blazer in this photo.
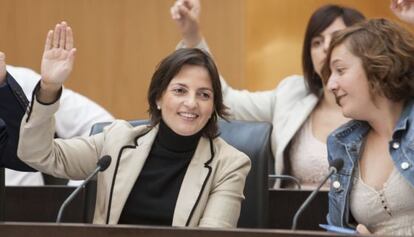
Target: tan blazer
(211, 192)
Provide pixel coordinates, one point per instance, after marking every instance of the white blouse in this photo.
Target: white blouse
(389, 211)
(309, 158)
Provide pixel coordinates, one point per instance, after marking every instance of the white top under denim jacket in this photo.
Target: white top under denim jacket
(345, 143)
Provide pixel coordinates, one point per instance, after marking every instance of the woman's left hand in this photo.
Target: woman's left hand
(58, 56)
(362, 229)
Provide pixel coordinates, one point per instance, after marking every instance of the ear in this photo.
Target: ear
(158, 103)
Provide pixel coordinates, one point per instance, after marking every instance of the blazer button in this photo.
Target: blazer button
(395, 145)
(405, 165)
(336, 184)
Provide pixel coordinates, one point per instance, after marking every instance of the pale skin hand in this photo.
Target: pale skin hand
(2, 67)
(57, 62)
(363, 230)
(403, 9)
(186, 14)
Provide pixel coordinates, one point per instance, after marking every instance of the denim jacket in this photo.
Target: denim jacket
(345, 143)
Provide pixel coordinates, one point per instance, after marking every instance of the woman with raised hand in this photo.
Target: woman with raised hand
(370, 70)
(301, 109)
(175, 171)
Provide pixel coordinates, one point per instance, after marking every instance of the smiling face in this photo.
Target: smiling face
(188, 101)
(320, 44)
(349, 83)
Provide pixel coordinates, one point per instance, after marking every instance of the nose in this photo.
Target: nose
(191, 101)
(326, 44)
(332, 84)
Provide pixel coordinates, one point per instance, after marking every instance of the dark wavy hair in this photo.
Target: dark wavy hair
(169, 67)
(387, 54)
(318, 22)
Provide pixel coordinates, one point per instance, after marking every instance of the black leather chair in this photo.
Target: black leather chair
(252, 138)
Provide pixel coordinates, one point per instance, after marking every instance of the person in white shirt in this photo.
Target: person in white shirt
(75, 117)
(303, 112)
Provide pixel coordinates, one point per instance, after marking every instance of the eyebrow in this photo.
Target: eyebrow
(184, 85)
(335, 61)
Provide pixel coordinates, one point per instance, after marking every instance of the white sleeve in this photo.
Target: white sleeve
(19, 178)
(243, 104)
(76, 115)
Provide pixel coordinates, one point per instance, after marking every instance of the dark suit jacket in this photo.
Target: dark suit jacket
(13, 104)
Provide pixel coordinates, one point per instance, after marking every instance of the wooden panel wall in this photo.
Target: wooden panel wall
(274, 33)
(119, 43)
(256, 43)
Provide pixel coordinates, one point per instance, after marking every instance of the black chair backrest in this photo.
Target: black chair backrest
(252, 138)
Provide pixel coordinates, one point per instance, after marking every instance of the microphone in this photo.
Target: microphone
(334, 167)
(286, 177)
(101, 165)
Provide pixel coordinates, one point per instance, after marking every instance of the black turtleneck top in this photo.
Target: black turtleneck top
(153, 197)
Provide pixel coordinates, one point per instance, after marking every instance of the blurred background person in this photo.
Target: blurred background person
(75, 117)
(301, 109)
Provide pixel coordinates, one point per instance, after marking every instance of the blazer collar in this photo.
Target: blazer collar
(131, 160)
(193, 186)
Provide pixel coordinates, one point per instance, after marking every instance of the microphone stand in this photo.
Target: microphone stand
(310, 198)
(74, 193)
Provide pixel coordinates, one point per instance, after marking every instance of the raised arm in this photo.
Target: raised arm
(244, 105)
(67, 158)
(186, 14)
(57, 62)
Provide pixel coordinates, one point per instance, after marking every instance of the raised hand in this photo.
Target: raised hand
(186, 14)
(2, 67)
(58, 57)
(403, 9)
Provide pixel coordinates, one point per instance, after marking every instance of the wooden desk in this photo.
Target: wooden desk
(87, 230)
(283, 205)
(41, 204)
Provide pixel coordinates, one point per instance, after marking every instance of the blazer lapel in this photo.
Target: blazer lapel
(297, 117)
(192, 187)
(130, 165)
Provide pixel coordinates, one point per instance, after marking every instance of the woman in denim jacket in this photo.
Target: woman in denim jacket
(370, 70)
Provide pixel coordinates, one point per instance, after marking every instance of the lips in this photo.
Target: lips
(188, 116)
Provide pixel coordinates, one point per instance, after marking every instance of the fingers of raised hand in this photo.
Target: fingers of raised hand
(60, 37)
(401, 4)
(49, 38)
(175, 10)
(183, 8)
(2, 57)
(56, 35)
(69, 38)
